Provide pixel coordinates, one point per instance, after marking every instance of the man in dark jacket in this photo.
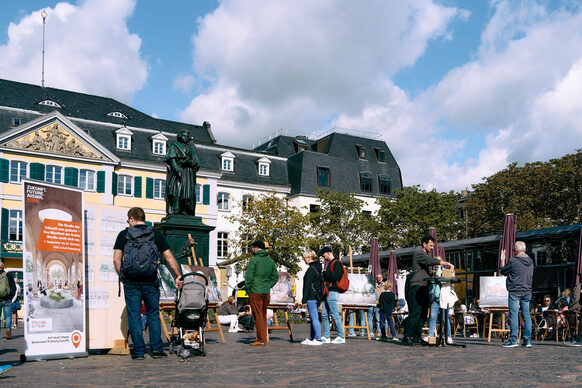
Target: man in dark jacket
(331, 275)
(7, 292)
(519, 272)
(261, 275)
(417, 295)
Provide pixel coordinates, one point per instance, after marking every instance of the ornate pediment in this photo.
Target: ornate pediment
(53, 139)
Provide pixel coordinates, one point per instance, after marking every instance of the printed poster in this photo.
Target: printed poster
(54, 271)
(493, 292)
(282, 293)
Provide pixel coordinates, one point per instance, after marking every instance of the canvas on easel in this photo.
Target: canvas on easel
(493, 292)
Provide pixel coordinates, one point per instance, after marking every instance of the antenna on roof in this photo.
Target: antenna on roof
(44, 15)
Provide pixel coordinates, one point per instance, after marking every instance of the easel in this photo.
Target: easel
(502, 310)
(353, 308)
(285, 308)
(167, 307)
(214, 307)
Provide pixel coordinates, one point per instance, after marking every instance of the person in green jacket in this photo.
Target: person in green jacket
(261, 275)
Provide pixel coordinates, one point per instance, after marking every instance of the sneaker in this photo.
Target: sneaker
(159, 354)
(8, 334)
(137, 357)
(425, 339)
(325, 340)
(381, 338)
(573, 343)
(395, 339)
(315, 343)
(510, 344)
(4, 368)
(338, 340)
(352, 334)
(307, 341)
(362, 334)
(449, 341)
(526, 344)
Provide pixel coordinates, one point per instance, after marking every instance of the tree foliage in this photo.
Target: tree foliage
(269, 218)
(404, 221)
(539, 194)
(339, 222)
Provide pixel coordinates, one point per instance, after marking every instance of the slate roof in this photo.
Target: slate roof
(298, 171)
(338, 153)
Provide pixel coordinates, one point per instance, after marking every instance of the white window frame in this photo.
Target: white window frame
(46, 174)
(117, 114)
(124, 193)
(222, 244)
(264, 166)
(227, 161)
(16, 216)
(198, 193)
(49, 103)
(19, 174)
(162, 190)
(220, 204)
(123, 134)
(90, 184)
(159, 140)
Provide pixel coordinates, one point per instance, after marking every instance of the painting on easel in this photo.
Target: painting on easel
(361, 292)
(282, 293)
(168, 286)
(493, 292)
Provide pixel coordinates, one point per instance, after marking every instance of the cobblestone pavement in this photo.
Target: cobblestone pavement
(357, 363)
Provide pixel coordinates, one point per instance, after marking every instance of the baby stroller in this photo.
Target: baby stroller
(190, 316)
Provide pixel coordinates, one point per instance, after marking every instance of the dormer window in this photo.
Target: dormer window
(123, 139)
(49, 103)
(361, 151)
(159, 142)
(366, 182)
(117, 114)
(227, 161)
(380, 154)
(264, 166)
(16, 123)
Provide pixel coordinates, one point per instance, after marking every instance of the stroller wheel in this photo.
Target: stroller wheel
(171, 348)
(203, 351)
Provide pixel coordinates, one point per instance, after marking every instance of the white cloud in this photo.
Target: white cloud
(184, 83)
(298, 64)
(88, 48)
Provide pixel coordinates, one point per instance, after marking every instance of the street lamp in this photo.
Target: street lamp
(44, 16)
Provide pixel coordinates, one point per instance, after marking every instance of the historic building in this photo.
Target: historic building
(115, 154)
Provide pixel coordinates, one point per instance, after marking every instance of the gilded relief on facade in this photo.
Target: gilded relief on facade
(53, 139)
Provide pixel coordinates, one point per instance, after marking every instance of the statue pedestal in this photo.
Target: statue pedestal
(176, 228)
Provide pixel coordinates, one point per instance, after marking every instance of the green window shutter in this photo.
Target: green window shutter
(71, 176)
(4, 224)
(114, 184)
(37, 171)
(100, 181)
(149, 187)
(137, 187)
(206, 194)
(4, 170)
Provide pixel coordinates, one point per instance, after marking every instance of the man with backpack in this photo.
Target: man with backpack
(7, 291)
(332, 275)
(136, 256)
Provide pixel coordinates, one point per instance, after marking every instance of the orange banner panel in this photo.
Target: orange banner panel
(60, 236)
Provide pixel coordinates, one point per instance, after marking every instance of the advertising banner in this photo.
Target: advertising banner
(54, 271)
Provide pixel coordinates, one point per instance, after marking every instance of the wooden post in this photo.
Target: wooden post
(191, 241)
(351, 262)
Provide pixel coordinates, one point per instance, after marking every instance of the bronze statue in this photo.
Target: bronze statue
(182, 165)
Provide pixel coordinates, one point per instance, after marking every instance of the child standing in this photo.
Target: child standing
(386, 306)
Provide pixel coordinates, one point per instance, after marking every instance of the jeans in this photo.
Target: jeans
(7, 307)
(150, 294)
(434, 314)
(315, 326)
(374, 312)
(516, 303)
(383, 319)
(362, 322)
(330, 307)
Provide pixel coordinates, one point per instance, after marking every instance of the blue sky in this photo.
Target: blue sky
(458, 89)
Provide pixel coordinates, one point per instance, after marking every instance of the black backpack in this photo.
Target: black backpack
(317, 285)
(140, 256)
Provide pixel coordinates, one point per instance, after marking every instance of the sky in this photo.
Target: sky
(457, 89)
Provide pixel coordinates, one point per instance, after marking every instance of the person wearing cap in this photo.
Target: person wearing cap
(261, 275)
(331, 276)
